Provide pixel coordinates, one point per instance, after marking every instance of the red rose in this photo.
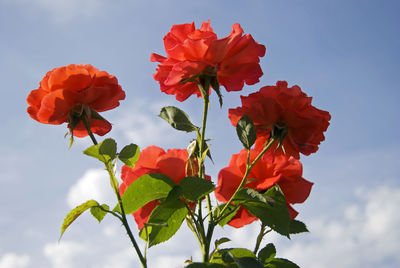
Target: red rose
(288, 110)
(233, 60)
(268, 171)
(72, 89)
(172, 163)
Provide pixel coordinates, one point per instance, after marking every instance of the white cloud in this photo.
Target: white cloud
(366, 236)
(94, 184)
(65, 254)
(141, 125)
(12, 260)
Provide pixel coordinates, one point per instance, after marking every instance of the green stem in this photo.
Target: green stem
(248, 169)
(112, 176)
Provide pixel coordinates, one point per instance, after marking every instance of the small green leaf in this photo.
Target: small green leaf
(194, 188)
(147, 188)
(246, 131)
(215, 85)
(251, 195)
(221, 241)
(177, 118)
(297, 227)
(75, 213)
(205, 265)
(243, 258)
(281, 263)
(267, 253)
(104, 151)
(99, 213)
(117, 209)
(277, 216)
(129, 155)
(172, 212)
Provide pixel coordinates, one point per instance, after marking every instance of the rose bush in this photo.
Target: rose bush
(269, 170)
(286, 112)
(230, 61)
(66, 92)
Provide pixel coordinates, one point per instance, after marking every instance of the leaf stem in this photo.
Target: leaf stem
(115, 188)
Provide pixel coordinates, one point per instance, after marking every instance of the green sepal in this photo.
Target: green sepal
(129, 155)
(177, 118)
(75, 213)
(99, 213)
(105, 151)
(147, 188)
(194, 188)
(246, 131)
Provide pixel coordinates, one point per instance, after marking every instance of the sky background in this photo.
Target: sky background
(344, 53)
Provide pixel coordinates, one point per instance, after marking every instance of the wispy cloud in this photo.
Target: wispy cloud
(13, 260)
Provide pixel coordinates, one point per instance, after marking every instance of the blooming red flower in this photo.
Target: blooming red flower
(233, 60)
(72, 89)
(288, 110)
(268, 171)
(172, 163)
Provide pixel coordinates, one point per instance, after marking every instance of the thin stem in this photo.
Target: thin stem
(112, 177)
(248, 169)
(259, 239)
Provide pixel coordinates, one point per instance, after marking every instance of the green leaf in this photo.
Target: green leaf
(251, 195)
(172, 212)
(99, 213)
(267, 253)
(129, 155)
(177, 118)
(243, 258)
(205, 265)
(277, 216)
(195, 188)
(104, 151)
(215, 85)
(281, 263)
(228, 214)
(246, 131)
(75, 213)
(147, 188)
(221, 241)
(297, 227)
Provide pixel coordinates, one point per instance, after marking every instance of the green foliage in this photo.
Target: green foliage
(75, 213)
(281, 263)
(227, 215)
(205, 265)
(99, 213)
(177, 118)
(147, 188)
(129, 155)
(297, 227)
(267, 253)
(251, 195)
(104, 151)
(195, 188)
(246, 131)
(275, 216)
(236, 257)
(166, 219)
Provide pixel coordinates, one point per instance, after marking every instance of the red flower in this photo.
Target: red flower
(288, 110)
(268, 171)
(71, 89)
(172, 163)
(233, 60)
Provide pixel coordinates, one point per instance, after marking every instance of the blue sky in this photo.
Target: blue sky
(343, 53)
